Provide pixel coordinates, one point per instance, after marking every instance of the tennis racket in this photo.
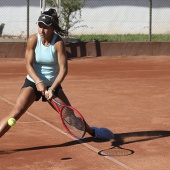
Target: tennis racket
(71, 118)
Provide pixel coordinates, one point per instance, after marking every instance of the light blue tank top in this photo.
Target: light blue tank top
(46, 61)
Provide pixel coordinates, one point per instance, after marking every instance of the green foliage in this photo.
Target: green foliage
(70, 13)
(123, 37)
(50, 3)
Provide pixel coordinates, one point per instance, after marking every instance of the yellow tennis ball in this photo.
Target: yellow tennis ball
(11, 122)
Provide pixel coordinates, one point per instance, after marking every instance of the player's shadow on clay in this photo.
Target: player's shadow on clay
(70, 143)
(119, 140)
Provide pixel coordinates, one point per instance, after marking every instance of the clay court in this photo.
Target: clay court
(128, 95)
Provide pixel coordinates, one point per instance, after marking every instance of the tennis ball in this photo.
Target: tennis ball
(11, 122)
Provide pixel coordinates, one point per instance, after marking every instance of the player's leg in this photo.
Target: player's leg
(24, 100)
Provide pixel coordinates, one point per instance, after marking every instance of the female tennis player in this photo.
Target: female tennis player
(46, 65)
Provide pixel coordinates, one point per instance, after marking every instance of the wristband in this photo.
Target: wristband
(50, 88)
(39, 82)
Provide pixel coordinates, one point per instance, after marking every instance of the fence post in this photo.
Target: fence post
(28, 19)
(42, 6)
(58, 7)
(150, 21)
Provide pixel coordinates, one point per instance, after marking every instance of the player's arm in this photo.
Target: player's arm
(63, 68)
(62, 61)
(29, 57)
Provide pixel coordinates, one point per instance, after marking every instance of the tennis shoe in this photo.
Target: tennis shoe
(103, 133)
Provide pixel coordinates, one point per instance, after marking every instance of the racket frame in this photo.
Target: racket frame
(56, 104)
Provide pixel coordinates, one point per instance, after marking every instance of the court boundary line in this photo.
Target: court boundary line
(64, 133)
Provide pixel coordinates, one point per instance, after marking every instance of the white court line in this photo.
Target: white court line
(37, 121)
(62, 132)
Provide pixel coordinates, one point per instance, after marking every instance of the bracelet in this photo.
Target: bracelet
(50, 88)
(39, 82)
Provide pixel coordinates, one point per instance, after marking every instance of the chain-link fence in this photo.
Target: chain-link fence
(19, 18)
(105, 17)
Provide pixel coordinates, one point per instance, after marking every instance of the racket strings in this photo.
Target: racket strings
(73, 122)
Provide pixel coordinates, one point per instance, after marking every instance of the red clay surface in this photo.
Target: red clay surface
(130, 96)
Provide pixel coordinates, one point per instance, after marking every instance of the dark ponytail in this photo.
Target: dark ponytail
(53, 13)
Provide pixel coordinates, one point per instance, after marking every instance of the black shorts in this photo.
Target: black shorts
(38, 94)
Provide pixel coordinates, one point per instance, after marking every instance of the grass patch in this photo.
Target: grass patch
(122, 38)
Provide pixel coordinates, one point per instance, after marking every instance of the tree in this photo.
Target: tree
(70, 13)
(50, 3)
